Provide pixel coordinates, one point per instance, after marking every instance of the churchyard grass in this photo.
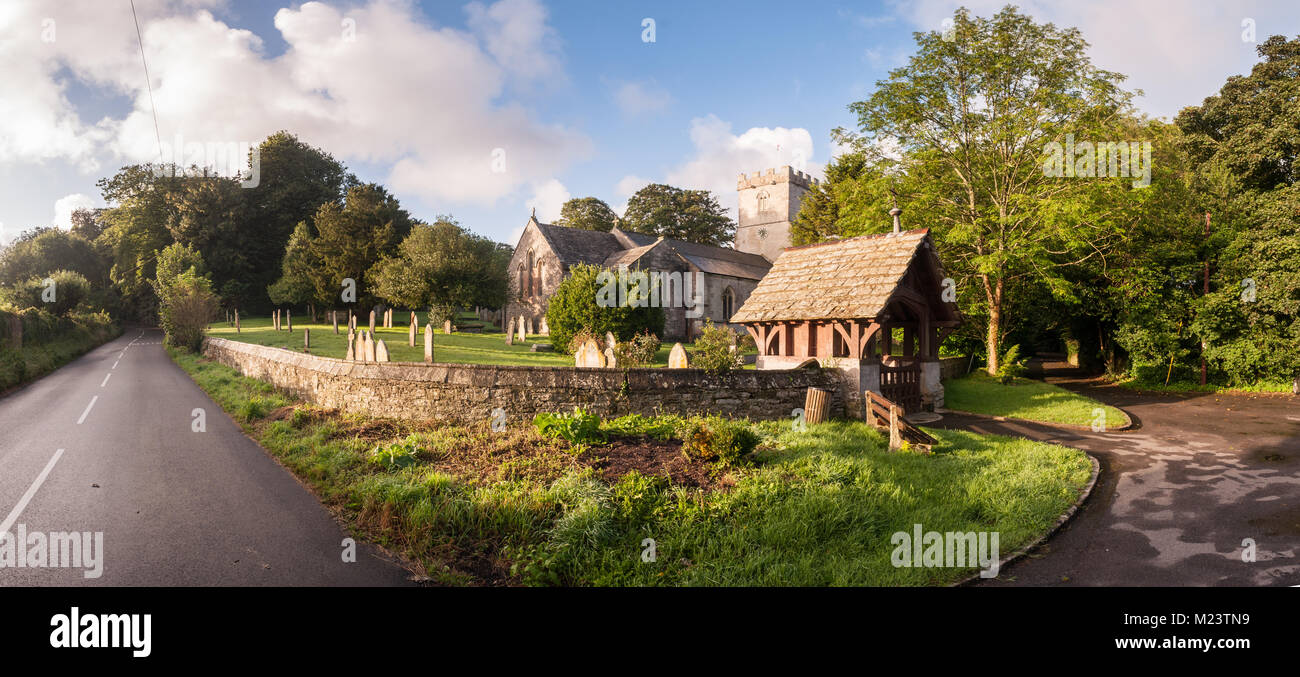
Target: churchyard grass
(1026, 399)
(812, 508)
(458, 348)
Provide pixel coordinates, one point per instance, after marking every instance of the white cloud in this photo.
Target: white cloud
(641, 98)
(64, 206)
(720, 157)
(433, 103)
(1175, 52)
(547, 199)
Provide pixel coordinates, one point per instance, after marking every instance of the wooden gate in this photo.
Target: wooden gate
(901, 384)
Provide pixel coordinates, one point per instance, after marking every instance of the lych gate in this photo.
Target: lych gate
(872, 307)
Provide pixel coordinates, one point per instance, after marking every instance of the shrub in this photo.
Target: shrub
(59, 293)
(1011, 366)
(719, 440)
(579, 427)
(588, 299)
(717, 349)
(582, 336)
(638, 352)
(396, 454)
(631, 425)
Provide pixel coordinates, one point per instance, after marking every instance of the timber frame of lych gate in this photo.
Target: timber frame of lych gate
(903, 316)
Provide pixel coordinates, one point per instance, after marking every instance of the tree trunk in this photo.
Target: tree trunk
(995, 325)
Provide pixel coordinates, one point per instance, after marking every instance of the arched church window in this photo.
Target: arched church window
(728, 304)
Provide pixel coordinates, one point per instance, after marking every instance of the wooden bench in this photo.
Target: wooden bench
(889, 416)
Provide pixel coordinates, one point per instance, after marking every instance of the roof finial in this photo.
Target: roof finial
(893, 197)
(534, 213)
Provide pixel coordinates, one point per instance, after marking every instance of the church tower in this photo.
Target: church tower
(769, 201)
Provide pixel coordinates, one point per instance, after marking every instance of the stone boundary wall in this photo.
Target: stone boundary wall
(952, 367)
(464, 393)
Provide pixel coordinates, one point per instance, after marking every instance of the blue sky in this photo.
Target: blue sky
(421, 95)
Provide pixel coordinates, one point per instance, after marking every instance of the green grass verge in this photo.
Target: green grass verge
(1027, 399)
(813, 508)
(33, 361)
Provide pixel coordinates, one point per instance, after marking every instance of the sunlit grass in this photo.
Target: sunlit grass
(815, 507)
(1026, 399)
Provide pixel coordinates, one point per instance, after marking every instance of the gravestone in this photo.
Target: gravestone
(510, 334)
(446, 327)
(275, 320)
(288, 316)
(370, 348)
(335, 315)
(236, 321)
(677, 357)
(544, 330)
(610, 360)
(352, 339)
(306, 339)
(428, 343)
(521, 336)
(372, 322)
(352, 353)
(361, 346)
(410, 334)
(589, 356)
(381, 351)
(530, 326)
(610, 341)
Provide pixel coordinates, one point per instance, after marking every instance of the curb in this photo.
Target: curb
(1128, 420)
(1060, 522)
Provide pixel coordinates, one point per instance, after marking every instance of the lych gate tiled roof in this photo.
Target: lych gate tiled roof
(843, 279)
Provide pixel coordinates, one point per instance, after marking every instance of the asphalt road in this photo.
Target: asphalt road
(1179, 493)
(105, 444)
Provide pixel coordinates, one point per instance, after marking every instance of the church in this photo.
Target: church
(714, 281)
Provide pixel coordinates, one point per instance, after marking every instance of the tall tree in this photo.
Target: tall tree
(211, 214)
(136, 230)
(1245, 141)
(295, 179)
(295, 286)
(972, 114)
(41, 251)
(443, 265)
(353, 236)
(587, 213)
(668, 211)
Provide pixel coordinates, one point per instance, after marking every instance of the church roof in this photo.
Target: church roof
(843, 279)
(573, 246)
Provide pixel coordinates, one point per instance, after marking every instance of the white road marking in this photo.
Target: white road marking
(87, 411)
(31, 491)
(115, 365)
(105, 379)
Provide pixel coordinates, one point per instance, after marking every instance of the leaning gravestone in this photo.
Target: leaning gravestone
(610, 341)
(381, 351)
(677, 357)
(428, 343)
(610, 360)
(589, 356)
(510, 334)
